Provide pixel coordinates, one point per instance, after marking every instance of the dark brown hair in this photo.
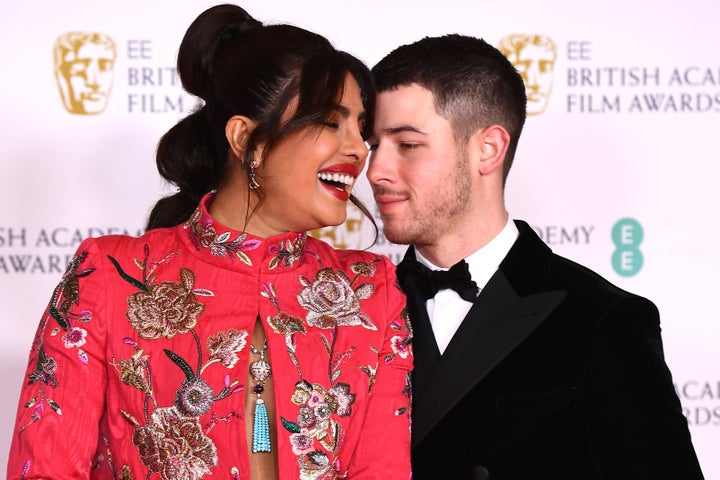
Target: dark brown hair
(238, 66)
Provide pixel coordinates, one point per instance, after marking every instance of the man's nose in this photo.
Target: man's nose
(379, 165)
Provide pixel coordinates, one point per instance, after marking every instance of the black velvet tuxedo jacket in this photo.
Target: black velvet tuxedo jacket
(554, 373)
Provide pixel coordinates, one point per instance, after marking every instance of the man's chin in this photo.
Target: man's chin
(396, 237)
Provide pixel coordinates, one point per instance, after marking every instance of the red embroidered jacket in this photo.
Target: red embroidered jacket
(138, 366)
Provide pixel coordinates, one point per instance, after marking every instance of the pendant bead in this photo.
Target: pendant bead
(260, 371)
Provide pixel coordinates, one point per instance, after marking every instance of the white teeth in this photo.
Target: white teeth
(336, 177)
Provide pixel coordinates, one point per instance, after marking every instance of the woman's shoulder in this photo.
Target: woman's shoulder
(121, 243)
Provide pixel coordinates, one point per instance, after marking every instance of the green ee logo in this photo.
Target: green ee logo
(627, 259)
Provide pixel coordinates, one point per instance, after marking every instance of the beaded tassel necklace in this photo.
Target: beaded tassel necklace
(260, 371)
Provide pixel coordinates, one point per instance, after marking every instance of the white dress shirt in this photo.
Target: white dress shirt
(447, 309)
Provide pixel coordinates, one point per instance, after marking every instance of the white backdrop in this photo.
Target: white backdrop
(630, 149)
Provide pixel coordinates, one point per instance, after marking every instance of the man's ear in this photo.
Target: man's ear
(492, 144)
(237, 132)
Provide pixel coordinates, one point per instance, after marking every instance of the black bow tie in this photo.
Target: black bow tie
(429, 282)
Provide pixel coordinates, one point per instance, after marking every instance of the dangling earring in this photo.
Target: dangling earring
(252, 183)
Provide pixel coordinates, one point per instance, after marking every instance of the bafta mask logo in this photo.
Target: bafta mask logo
(534, 58)
(348, 234)
(84, 63)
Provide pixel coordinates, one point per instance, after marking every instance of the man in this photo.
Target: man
(549, 371)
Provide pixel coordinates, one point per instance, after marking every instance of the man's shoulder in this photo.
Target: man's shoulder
(588, 287)
(562, 272)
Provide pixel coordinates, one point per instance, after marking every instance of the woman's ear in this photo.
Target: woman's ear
(237, 132)
(492, 144)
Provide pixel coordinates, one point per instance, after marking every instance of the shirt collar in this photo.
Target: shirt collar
(483, 263)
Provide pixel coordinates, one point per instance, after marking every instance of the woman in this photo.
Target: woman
(226, 341)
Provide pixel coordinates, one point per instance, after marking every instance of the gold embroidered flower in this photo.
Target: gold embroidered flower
(204, 235)
(223, 346)
(363, 268)
(166, 308)
(125, 473)
(174, 446)
(317, 465)
(44, 371)
(331, 301)
(67, 292)
(132, 371)
(286, 324)
(302, 392)
(287, 252)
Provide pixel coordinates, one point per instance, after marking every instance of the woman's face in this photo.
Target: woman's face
(309, 175)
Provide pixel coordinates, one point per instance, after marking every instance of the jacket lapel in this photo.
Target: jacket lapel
(500, 319)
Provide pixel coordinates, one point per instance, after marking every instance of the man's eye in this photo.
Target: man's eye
(409, 146)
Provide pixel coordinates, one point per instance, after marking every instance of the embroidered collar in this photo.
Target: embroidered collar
(223, 245)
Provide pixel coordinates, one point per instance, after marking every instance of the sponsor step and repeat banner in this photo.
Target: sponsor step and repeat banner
(617, 169)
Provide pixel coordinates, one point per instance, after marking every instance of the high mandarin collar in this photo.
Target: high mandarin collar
(236, 250)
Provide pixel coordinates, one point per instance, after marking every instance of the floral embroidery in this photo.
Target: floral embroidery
(343, 399)
(60, 308)
(44, 372)
(402, 347)
(133, 371)
(75, 337)
(162, 309)
(288, 252)
(194, 398)
(172, 435)
(166, 309)
(401, 343)
(315, 422)
(69, 288)
(125, 473)
(407, 393)
(225, 345)
(172, 442)
(204, 235)
(331, 301)
(286, 324)
(174, 445)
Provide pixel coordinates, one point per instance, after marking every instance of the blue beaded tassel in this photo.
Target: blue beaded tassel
(261, 428)
(260, 371)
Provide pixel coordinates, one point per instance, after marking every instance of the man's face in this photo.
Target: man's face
(419, 175)
(536, 65)
(88, 73)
